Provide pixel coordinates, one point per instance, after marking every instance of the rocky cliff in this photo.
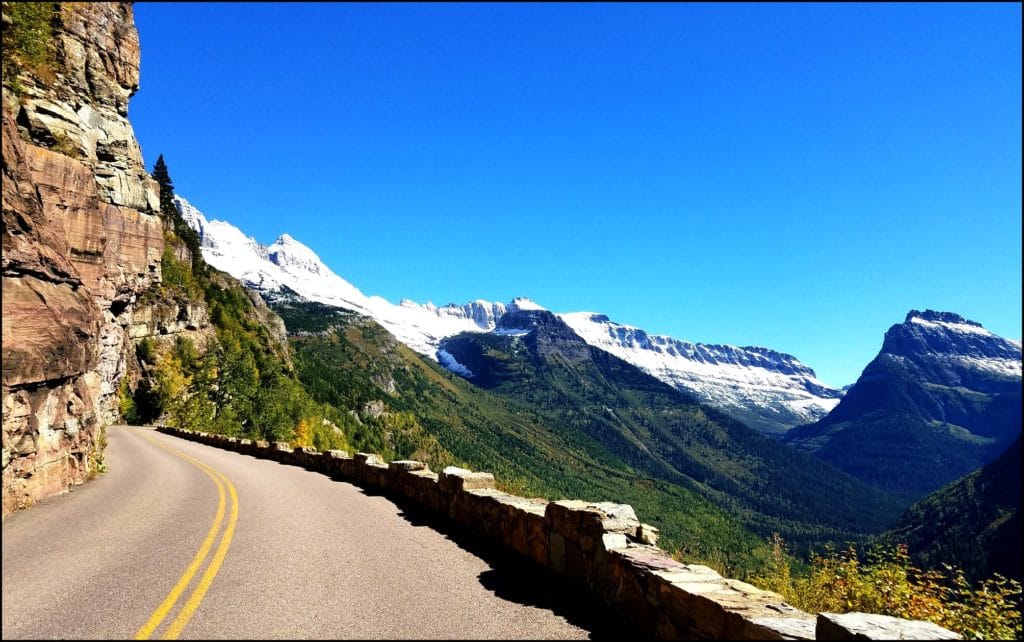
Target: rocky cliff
(82, 240)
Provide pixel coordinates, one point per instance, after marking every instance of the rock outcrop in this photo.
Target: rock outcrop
(82, 240)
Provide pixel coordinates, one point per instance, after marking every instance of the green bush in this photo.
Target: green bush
(146, 350)
(28, 40)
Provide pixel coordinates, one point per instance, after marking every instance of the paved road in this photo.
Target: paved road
(298, 555)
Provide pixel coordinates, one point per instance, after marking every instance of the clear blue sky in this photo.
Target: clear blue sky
(792, 176)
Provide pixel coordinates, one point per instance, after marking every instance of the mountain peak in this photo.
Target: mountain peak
(292, 255)
(523, 303)
(934, 316)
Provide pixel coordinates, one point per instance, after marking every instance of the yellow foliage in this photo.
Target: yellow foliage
(890, 585)
(303, 434)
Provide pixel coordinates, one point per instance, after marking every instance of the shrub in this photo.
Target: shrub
(28, 40)
(126, 403)
(888, 584)
(146, 350)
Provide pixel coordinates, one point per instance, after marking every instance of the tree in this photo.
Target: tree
(163, 178)
(172, 217)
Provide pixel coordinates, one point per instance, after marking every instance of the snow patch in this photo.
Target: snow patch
(513, 332)
(963, 328)
(523, 303)
(448, 360)
(775, 386)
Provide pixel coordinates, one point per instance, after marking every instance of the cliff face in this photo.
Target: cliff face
(81, 241)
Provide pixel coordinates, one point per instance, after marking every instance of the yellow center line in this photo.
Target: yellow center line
(211, 571)
(193, 603)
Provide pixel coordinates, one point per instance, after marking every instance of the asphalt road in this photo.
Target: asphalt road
(295, 555)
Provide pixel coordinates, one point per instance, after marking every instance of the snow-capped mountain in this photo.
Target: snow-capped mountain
(950, 349)
(289, 265)
(767, 390)
(941, 399)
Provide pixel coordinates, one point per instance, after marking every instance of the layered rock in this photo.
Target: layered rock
(51, 327)
(82, 241)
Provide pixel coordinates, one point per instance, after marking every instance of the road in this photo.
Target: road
(257, 549)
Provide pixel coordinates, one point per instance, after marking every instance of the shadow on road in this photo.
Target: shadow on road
(511, 576)
(517, 579)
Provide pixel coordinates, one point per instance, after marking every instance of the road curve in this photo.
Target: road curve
(309, 557)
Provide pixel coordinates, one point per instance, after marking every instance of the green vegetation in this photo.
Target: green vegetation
(615, 411)
(97, 464)
(354, 364)
(237, 382)
(887, 583)
(172, 217)
(28, 44)
(974, 522)
(146, 350)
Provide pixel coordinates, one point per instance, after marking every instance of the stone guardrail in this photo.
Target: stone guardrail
(602, 547)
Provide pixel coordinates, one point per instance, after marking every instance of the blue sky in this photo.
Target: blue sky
(792, 176)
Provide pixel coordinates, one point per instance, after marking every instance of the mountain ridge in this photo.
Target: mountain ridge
(767, 389)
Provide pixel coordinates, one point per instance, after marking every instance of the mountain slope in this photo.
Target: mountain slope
(973, 523)
(289, 266)
(768, 390)
(942, 398)
(535, 359)
(408, 406)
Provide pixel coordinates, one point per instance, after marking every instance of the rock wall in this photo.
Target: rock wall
(600, 547)
(82, 240)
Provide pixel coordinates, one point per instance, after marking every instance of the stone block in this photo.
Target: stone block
(585, 522)
(781, 628)
(870, 626)
(556, 554)
(647, 534)
(407, 466)
(454, 479)
(612, 541)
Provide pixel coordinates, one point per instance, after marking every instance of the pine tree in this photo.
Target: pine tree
(172, 217)
(163, 178)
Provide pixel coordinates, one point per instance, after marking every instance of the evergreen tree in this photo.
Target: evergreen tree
(163, 178)
(172, 217)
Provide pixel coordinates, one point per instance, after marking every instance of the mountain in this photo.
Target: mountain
(768, 390)
(404, 405)
(288, 266)
(941, 399)
(535, 359)
(973, 523)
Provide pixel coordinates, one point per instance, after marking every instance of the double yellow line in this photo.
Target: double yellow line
(174, 629)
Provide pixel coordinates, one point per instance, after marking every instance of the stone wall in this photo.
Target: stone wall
(601, 547)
